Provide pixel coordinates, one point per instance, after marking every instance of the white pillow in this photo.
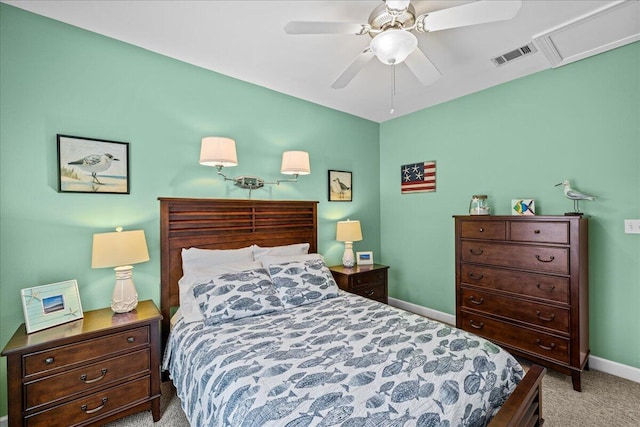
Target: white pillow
(295, 249)
(188, 305)
(273, 260)
(194, 259)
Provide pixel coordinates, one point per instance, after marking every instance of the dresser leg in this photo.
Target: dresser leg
(575, 378)
(155, 410)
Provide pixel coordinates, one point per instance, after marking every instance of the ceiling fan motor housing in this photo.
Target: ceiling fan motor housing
(381, 20)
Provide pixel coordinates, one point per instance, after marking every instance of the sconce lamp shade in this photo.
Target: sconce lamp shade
(295, 163)
(348, 231)
(218, 151)
(120, 250)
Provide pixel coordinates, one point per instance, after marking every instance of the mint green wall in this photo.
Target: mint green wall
(580, 122)
(55, 78)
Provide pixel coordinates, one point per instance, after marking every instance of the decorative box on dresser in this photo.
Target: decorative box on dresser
(369, 281)
(522, 282)
(86, 372)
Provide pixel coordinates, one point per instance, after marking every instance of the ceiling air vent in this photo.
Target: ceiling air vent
(514, 54)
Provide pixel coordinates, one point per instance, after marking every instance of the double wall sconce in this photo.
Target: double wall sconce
(219, 152)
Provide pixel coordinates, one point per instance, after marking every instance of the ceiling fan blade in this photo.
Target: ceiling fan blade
(309, 27)
(353, 69)
(422, 67)
(478, 12)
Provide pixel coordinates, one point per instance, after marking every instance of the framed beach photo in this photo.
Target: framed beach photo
(51, 305)
(340, 186)
(364, 258)
(87, 165)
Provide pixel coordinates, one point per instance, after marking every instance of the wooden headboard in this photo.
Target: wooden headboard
(225, 224)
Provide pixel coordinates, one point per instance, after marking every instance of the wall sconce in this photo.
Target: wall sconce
(219, 152)
(119, 250)
(348, 232)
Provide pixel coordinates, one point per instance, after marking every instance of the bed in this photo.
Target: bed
(318, 356)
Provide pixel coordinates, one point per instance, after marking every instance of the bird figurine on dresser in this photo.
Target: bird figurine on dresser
(574, 195)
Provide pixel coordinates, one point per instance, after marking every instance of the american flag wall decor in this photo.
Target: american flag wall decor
(418, 177)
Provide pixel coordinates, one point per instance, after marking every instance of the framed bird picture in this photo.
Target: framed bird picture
(340, 186)
(88, 165)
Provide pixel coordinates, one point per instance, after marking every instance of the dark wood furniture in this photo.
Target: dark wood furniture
(87, 372)
(369, 281)
(232, 224)
(522, 282)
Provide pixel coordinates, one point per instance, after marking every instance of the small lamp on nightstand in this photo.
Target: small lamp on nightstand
(120, 249)
(348, 232)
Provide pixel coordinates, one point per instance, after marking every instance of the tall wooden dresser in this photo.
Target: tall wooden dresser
(522, 282)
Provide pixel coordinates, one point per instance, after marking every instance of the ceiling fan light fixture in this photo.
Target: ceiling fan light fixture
(393, 46)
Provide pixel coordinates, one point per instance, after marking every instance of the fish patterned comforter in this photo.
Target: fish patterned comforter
(346, 361)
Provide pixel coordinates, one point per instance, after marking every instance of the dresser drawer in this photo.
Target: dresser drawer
(369, 280)
(492, 230)
(56, 387)
(93, 406)
(524, 311)
(58, 357)
(538, 231)
(536, 342)
(551, 288)
(536, 258)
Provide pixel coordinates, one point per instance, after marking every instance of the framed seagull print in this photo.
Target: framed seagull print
(340, 186)
(87, 165)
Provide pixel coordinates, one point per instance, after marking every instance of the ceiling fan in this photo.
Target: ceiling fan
(392, 25)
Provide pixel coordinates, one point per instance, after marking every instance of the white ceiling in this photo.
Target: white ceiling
(246, 40)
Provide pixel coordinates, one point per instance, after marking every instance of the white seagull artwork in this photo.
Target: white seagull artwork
(95, 163)
(574, 195)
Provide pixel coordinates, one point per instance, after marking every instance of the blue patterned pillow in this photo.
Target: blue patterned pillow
(303, 282)
(237, 295)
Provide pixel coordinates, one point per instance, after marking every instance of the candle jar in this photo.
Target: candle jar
(479, 205)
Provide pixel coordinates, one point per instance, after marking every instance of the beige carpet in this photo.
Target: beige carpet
(605, 401)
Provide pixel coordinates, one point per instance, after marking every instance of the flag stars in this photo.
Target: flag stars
(416, 168)
(418, 176)
(407, 177)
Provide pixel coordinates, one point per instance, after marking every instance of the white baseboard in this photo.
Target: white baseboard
(4, 421)
(596, 363)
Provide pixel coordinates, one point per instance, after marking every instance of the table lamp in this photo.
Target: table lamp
(348, 232)
(120, 249)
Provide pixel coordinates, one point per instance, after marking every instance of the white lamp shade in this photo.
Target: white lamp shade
(119, 248)
(348, 231)
(295, 163)
(218, 151)
(393, 46)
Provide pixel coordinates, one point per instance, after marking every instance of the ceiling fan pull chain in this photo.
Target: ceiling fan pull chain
(393, 86)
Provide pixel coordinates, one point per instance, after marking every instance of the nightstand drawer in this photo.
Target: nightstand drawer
(369, 279)
(93, 406)
(376, 292)
(56, 387)
(54, 358)
(538, 231)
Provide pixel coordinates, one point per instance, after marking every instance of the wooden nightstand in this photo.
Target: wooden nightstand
(87, 372)
(369, 281)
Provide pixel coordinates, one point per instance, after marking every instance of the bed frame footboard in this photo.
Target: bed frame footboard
(524, 406)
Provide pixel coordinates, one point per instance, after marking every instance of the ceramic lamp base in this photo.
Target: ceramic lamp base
(348, 258)
(125, 297)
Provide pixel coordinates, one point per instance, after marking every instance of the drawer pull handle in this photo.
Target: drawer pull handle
(551, 258)
(536, 231)
(94, 410)
(476, 252)
(49, 360)
(548, 286)
(84, 379)
(358, 281)
(476, 276)
(544, 347)
(481, 230)
(476, 325)
(546, 319)
(369, 292)
(476, 301)
(130, 339)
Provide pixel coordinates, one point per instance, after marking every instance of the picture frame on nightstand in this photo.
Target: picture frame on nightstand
(364, 258)
(51, 305)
